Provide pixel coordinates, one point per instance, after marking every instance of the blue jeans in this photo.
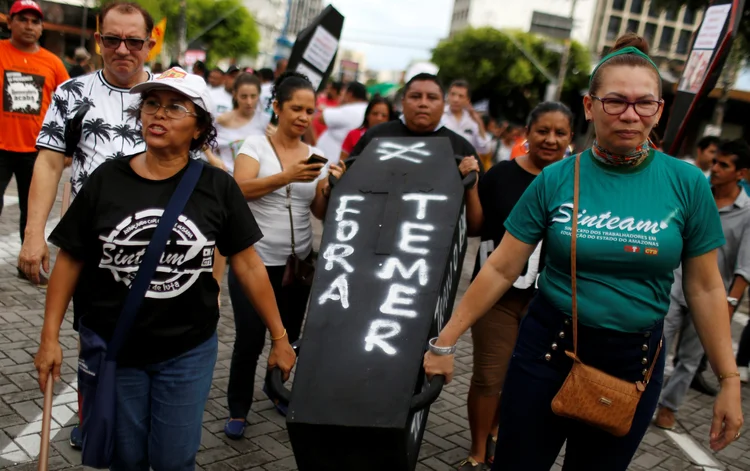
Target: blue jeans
(160, 411)
(531, 435)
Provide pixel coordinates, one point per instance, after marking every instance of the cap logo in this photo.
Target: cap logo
(172, 74)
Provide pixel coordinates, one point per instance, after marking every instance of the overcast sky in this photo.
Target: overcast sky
(393, 32)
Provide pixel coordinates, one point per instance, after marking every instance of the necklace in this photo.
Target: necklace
(633, 158)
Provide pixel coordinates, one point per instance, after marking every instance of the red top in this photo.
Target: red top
(352, 139)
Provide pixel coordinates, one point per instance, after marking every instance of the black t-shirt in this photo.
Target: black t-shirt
(499, 191)
(397, 128)
(108, 227)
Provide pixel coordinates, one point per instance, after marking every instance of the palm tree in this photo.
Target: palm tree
(118, 155)
(132, 113)
(83, 101)
(51, 130)
(79, 156)
(126, 133)
(72, 87)
(97, 128)
(61, 106)
(80, 180)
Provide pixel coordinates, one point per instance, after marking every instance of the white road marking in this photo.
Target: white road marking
(9, 201)
(694, 451)
(29, 438)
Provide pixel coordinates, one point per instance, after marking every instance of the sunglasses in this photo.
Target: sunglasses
(113, 42)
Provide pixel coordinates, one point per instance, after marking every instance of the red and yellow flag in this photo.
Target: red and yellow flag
(158, 35)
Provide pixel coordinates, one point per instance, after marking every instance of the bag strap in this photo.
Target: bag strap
(154, 251)
(573, 245)
(288, 194)
(573, 253)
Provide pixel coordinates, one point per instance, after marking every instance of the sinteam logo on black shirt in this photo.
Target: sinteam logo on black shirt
(188, 253)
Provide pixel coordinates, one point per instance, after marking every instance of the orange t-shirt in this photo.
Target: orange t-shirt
(519, 148)
(29, 80)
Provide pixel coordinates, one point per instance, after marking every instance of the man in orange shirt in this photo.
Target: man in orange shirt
(30, 75)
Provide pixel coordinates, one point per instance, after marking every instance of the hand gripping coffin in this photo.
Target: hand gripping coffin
(390, 260)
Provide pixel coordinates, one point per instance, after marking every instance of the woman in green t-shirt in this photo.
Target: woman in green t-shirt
(641, 214)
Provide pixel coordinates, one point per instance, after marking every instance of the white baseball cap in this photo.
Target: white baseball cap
(178, 80)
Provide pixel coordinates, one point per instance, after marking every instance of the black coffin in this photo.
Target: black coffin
(390, 260)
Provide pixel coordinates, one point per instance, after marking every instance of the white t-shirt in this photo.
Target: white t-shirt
(230, 140)
(266, 92)
(271, 212)
(222, 100)
(469, 129)
(339, 121)
(110, 127)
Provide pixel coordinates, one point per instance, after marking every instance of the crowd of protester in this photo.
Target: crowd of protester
(270, 141)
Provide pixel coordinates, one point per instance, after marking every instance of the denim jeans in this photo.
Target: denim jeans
(689, 351)
(250, 334)
(160, 411)
(531, 435)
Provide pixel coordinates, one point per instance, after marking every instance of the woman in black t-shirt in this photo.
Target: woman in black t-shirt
(494, 335)
(165, 366)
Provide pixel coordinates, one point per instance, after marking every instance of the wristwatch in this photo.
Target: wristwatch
(440, 351)
(733, 301)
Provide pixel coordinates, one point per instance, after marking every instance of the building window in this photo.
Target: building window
(636, 7)
(683, 44)
(633, 26)
(653, 12)
(613, 30)
(618, 5)
(671, 14)
(667, 35)
(689, 18)
(649, 32)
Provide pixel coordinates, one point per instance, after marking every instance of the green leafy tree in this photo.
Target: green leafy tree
(236, 35)
(495, 64)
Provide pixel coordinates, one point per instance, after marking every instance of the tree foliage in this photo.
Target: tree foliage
(495, 66)
(235, 36)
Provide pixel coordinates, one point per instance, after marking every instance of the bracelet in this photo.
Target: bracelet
(284, 335)
(734, 374)
(440, 351)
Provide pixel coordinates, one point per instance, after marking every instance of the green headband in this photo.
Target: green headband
(627, 50)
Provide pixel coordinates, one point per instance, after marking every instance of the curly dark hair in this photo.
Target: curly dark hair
(288, 83)
(205, 122)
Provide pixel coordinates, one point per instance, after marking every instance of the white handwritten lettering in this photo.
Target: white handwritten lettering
(408, 237)
(422, 200)
(393, 264)
(397, 296)
(342, 209)
(341, 286)
(564, 215)
(331, 256)
(380, 331)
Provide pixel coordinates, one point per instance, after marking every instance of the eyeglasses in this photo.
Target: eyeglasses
(113, 42)
(618, 106)
(173, 111)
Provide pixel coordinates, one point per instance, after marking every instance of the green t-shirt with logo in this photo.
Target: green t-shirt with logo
(636, 225)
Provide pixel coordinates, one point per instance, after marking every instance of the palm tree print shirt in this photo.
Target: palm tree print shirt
(110, 127)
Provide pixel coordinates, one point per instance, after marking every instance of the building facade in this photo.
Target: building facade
(518, 15)
(669, 33)
(301, 14)
(270, 18)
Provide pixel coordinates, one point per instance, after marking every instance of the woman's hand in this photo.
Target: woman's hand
(438, 365)
(48, 359)
(337, 170)
(282, 356)
(728, 420)
(303, 172)
(468, 164)
(271, 130)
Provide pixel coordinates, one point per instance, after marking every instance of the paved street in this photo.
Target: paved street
(266, 444)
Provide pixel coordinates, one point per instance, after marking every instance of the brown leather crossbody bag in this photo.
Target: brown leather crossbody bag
(590, 395)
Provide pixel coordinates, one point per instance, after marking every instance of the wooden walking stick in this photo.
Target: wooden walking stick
(49, 389)
(46, 423)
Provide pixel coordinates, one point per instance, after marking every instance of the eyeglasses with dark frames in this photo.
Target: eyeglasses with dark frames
(173, 111)
(618, 106)
(113, 42)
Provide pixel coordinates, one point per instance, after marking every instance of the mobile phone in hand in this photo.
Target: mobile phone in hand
(317, 159)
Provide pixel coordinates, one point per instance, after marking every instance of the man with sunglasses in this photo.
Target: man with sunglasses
(103, 105)
(92, 119)
(30, 76)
